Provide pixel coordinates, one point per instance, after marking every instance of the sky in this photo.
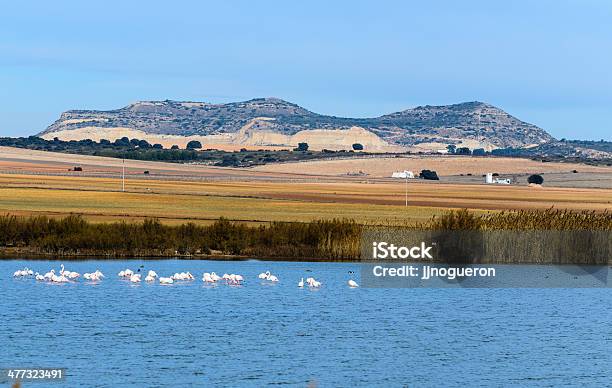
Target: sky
(546, 62)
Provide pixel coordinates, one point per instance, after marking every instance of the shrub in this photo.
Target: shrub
(194, 144)
(429, 175)
(302, 147)
(535, 179)
(358, 147)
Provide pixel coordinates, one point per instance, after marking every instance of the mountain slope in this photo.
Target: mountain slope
(474, 124)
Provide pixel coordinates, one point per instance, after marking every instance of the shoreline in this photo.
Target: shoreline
(12, 254)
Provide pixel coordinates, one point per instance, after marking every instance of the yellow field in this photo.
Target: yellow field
(178, 202)
(100, 199)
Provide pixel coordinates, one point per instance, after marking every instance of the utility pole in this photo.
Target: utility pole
(123, 177)
(406, 189)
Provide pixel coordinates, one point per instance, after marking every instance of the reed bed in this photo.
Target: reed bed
(337, 239)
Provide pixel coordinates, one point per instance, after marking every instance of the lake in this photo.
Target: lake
(115, 333)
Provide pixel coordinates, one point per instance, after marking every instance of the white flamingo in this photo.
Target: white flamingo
(264, 275)
(49, 274)
(301, 283)
(149, 279)
(39, 277)
(163, 280)
(23, 272)
(352, 283)
(272, 278)
(207, 278)
(235, 279)
(152, 273)
(93, 276)
(59, 279)
(135, 278)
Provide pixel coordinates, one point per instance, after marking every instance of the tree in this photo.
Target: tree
(158, 146)
(194, 144)
(451, 148)
(535, 179)
(174, 147)
(123, 142)
(358, 147)
(302, 147)
(143, 144)
(463, 151)
(429, 175)
(479, 152)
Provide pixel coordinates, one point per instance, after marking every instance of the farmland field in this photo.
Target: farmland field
(34, 182)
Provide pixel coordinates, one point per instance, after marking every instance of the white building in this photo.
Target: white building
(500, 181)
(403, 174)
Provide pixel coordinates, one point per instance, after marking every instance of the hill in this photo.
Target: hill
(277, 123)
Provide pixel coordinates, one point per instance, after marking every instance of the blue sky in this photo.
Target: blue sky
(546, 62)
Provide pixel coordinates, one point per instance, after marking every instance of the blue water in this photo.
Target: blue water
(118, 334)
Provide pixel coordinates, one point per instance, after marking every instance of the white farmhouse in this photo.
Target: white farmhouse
(403, 174)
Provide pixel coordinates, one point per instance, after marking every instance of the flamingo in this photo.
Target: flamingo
(93, 276)
(59, 279)
(264, 275)
(301, 283)
(235, 279)
(207, 278)
(39, 277)
(152, 273)
(121, 274)
(49, 275)
(272, 278)
(23, 272)
(99, 274)
(315, 284)
(165, 280)
(352, 283)
(135, 278)
(215, 277)
(71, 275)
(149, 279)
